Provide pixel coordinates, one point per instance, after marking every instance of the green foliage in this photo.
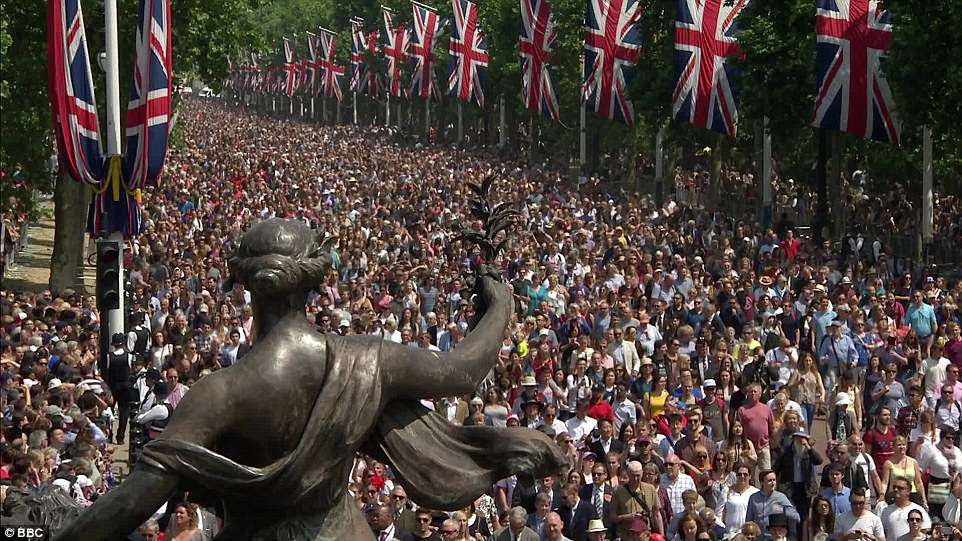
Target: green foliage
(24, 107)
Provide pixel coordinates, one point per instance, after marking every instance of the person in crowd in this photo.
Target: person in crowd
(895, 517)
(768, 501)
(901, 466)
(859, 522)
(635, 500)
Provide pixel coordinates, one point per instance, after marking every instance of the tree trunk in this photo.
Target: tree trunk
(70, 220)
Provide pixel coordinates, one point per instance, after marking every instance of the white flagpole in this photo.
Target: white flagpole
(387, 110)
(115, 319)
(767, 195)
(354, 105)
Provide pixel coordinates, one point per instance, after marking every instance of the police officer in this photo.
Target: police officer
(119, 370)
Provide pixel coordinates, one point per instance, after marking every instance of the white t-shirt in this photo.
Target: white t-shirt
(735, 508)
(939, 462)
(895, 520)
(934, 376)
(868, 523)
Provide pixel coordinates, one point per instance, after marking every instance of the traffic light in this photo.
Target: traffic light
(108, 274)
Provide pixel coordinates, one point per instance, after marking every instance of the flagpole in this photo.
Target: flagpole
(502, 136)
(767, 195)
(927, 198)
(460, 123)
(323, 109)
(354, 106)
(582, 140)
(427, 118)
(659, 166)
(115, 318)
(387, 109)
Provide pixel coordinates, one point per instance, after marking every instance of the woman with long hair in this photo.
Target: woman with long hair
(689, 526)
(821, 522)
(926, 433)
(722, 477)
(183, 525)
(495, 408)
(655, 401)
(805, 385)
(902, 466)
(726, 382)
(739, 444)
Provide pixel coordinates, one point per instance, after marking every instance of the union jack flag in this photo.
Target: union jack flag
(72, 98)
(370, 82)
(330, 72)
(357, 52)
(469, 54)
(148, 111)
(538, 34)
(612, 46)
(427, 27)
(313, 65)
(705, 93)
(395, 49)
(290, 69)
(853, 95)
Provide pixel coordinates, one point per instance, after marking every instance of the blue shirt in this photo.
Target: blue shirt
(922, 319)
(840, 351)
(821, 320)
(839, 500)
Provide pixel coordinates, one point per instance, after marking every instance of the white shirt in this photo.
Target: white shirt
(868, 466)
(868, 522)
(934, 376)
(579, 429)
(939, 462)
(735, 508)
(895, 520)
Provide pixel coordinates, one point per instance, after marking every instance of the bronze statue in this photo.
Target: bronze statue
(275, 435)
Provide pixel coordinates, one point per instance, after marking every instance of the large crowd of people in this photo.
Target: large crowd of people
(707, 378)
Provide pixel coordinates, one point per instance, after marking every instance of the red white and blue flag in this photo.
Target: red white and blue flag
(469, 54)
(72, 98)
(705, 92)
(370, 82)
(115, 206)
(395, 49)
(538, 34)
(612, 47)
(853, 95)
(427, 27)
(149, 108)
(313, 84)
(357, 52)
(290, 69)
(330, 71)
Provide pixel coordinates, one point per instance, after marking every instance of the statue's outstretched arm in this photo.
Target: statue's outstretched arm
(122, 510)
(419, 373)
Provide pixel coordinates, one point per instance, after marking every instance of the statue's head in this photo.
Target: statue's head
(278, 257)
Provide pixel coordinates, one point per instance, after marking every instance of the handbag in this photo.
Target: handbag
(939, 492)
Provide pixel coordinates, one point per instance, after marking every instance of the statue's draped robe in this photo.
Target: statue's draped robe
(442, 466)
